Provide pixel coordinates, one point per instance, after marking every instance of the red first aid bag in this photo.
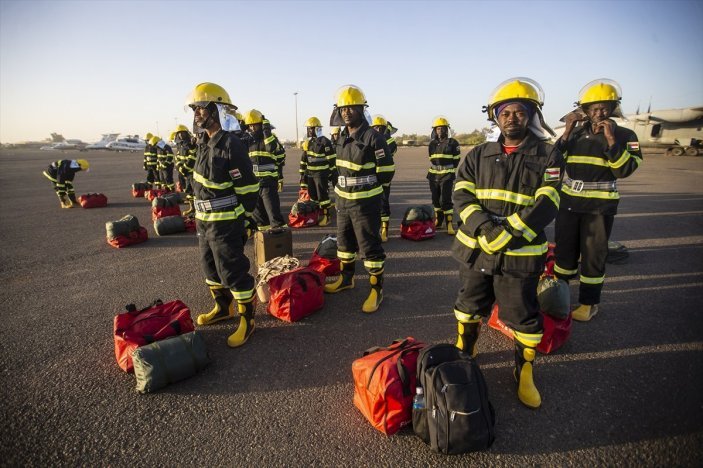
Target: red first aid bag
(136, 328)
(296, 294)
(384, 384)
(93, 200)
(418, 230)
(134, 237)
(326, 266)
(556, 332)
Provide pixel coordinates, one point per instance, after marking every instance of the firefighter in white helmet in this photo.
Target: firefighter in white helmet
(506, 194)
(598, 152)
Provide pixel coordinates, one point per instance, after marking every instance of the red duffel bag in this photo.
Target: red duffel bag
(134, 237)
(384, 384)
(326, 266)
(93, 200)
(163, 211)
(136, 328)
(153, 193)
(556, 332)
(418, 223)
(296, 294)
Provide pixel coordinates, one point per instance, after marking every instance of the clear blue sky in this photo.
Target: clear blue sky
(82, 68)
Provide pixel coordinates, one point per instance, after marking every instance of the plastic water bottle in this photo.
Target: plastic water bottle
(419, 399)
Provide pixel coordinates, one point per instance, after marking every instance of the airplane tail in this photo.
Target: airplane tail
(57, 138)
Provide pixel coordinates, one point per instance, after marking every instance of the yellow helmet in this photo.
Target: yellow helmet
(83, 164)
(172, 136)
(181, 128)
(350, 95)
(518, 88)
(148, 136)
(253, 117)
(378, 120)
(600, 90)
(154, 140)
(313, 122)
(205, 93)
(334, 130)
(238, 116)
(440, 121)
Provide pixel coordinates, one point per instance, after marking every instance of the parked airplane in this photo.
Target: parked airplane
(129, 143)
(60, 143)
(102, 144)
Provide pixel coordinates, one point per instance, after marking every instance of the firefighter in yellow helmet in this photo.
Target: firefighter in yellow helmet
(152, 175)
(361, 156)
(185, 161)
(316, 163)
(506, 194)
(164, 163)
(61, 174)
(385, 129)
(279, 150)
(445, 154)
(225, 190)
(265, 161)
(334, 136)
(598, 152)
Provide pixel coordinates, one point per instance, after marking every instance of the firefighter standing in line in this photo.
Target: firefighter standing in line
(164, 163)
(152, 176)
(279, 152)
(386, 130)
(334, 136)
(185, 161)
(598, 152)
(226, 190)
(61, 174)
(315, 166)
(445, 154)
(506, 193)
(265, 162)
(361, 152)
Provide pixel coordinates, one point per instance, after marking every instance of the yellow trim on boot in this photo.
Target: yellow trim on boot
(338, 285)
(461, 332)
(374, 300)
(325, 220)
(584, 313)
(527, 392)
(450, 225)
(215, 315)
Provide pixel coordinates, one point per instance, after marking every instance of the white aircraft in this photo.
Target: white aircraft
(129, 143)
(102, 144)
(60, 143)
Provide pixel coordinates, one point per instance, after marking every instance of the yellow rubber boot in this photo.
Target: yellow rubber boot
(450, 226)
(66, 202)
(190, 209)
(584, 313)
(467, 336)
(345, 279)
(325, 219)
(224, 307)
(384, 231)
(373, 301)
(525, 354)
(246, 324)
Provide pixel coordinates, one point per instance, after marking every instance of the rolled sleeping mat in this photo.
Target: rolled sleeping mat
(122, 227)
(169, 225)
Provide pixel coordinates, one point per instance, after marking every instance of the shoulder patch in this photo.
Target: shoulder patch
(552, 173)
(633, 146)
(235, 174)
(380, 154)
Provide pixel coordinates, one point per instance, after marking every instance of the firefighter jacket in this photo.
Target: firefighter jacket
(444, 158)
(149, 157)
(505, 202)
(592, 169)
(263, 154)
(393, 148)
(279, 152)
(185, 157)
(164, 158)
(223, 176)
(318, 157)
(62, 170)
(364, 163)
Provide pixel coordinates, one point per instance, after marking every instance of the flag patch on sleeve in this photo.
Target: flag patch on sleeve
(380, 154)
(235, 174)
(633, 146)
(552, 173)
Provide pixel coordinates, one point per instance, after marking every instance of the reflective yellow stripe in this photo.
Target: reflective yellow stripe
(220, 216)
(550, 192)
(261, 153)
(465, 239)
(602, 194)
(466, 212)
(46, 174)
(266, 174)
(587, 160)
(210, 184)
(590, 280)
(564, 271)
(463, 317)
(346, 255)
(270, 139)
(443, 171)
(623, 159)
(505, 195)
(213, 283)
(390, 140)
(390, 168)
(359, 195)
(528, 251)
(517, 223)
(530, 340)
(373, 264)
(246, 189)
(330, 157)
(354, 167)
(464, 185)
(439, 156)
(318, 168)
(243, 295)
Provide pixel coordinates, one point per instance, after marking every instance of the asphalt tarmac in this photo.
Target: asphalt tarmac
(625, 390)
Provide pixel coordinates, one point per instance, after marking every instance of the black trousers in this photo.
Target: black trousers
(222, 256)
(586, 236)
(267, 212)
(358, 229)
(318, 186)
(152, 175)
(386, 204)
(166, 177)
(441, 189)
(516, 298)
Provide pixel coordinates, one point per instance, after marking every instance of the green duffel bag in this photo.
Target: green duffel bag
(167, 200)
(122, 227)
(169, 225)
(554, 297)
(168, 361)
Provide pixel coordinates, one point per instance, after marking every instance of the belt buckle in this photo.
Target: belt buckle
(577, 186)
(341, 181)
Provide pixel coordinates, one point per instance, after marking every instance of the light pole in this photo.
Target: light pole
(296, 118)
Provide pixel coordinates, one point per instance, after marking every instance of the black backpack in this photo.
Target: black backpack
(458, 417)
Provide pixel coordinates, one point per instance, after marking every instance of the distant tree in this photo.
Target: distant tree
(472, 139)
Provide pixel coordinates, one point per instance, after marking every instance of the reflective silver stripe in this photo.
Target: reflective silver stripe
(204, 206)
(356, 181)
(579, 185)
(439, 167)
(264, 167)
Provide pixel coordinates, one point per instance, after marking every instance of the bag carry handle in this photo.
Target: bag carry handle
(397, 344)
(415, 346)
(302, 282)
(132, 309)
